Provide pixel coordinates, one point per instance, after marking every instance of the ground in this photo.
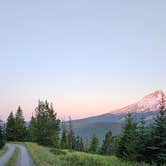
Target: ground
(20, 155)
(22, 159)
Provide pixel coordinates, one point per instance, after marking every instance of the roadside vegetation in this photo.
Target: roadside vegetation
(3, 150)
(47, 156)
(13, 160)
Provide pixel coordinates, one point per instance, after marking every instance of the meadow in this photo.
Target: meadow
(45, 156)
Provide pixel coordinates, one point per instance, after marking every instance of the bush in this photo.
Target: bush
(75, 160)
(58, 152)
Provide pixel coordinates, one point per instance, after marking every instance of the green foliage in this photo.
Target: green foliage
(94, 144)
(69, 140)
(142, 137)
(43, 157)
(44, 127)
(15, 127)
(139, 142)
(3, 150)
(128, 140)
(79, 145)
(10, 128)
(32, 130)
(20, 129)
(106, 148)
(58, 151)
(63, 142)
(70, 136)
(2, 141)
(156, 146)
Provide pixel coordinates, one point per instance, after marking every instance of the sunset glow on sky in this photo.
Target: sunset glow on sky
(86, 57)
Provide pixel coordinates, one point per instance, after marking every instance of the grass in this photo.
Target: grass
(3, 150)
(13, 160)
(44, 156)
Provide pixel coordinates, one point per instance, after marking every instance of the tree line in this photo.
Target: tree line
(138, 141)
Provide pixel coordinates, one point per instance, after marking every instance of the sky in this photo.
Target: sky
(87, 57)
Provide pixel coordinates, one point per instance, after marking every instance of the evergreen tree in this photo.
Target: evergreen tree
(115, 144)
(79, 145)
(20, 129)
(94, 144)
(47, 126)
(32, 129)
(128, 140)
(2, 141)
(86, 144)
(142, 137)
(63, 142)
(10, 128)
(70, 136)
(107, 144)
(157, 142)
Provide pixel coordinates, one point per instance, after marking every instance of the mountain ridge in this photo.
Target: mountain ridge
(151, 102)
(146, 108)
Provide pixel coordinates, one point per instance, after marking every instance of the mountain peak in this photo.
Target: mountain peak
(158, 93)
(149, 103)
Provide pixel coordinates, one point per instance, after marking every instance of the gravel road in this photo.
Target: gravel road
(24, 158)
(6, 157)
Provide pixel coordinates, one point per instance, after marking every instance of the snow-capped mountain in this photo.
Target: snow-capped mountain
(146, 108)
(149, 103)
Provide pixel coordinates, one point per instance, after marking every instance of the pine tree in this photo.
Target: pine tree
(142, 137)
(63, 142)
(94, 144)
(86, 144)
(107, 144)
(2, 141)
(10, 128)
(32, 129)
(157, 142)
(47, 126)
(20, 129)
(70, 136)
(128, 140)
(77, 143)
(81, 145)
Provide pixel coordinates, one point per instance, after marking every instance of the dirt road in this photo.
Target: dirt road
(24, 158)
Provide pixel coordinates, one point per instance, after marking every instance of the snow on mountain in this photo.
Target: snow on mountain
(149, 103)
(146, 108)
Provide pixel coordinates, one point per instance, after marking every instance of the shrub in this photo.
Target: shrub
(58, 152)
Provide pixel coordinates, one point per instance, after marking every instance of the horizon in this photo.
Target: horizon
(69, 117)
(87, 58)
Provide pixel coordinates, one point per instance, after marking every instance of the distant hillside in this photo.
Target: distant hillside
(99, 128)
(146, 108)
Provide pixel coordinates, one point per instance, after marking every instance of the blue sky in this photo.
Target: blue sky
(87, 57)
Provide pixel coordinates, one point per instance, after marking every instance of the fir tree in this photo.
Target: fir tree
(142, 137)
(63, 142)
(47, 126)
(10, 128)
(107, 144)
(20, 129)
(94, 144)
(79, 145)
(70, 136)
(157, 143)
(2, 141)
(128, 140)
(32, 129)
